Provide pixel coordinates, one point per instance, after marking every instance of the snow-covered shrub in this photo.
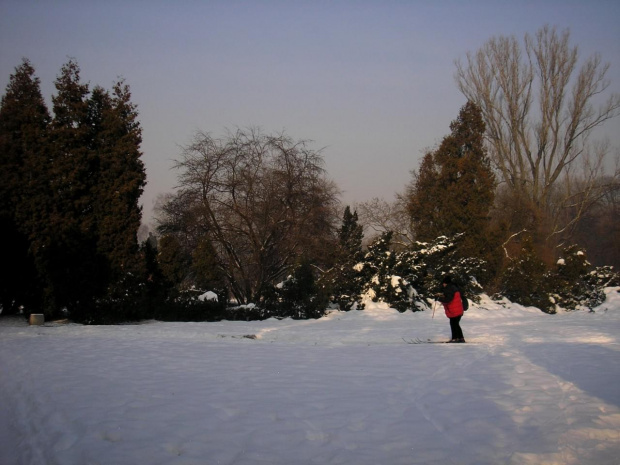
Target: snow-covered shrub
(409, 279)
(432, 261)
(297, 297)
(570, 285)
(377, 275)
(343, 284)
(575, 284)
(605, 276)
(193, 305)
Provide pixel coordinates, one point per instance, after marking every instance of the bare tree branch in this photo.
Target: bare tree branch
(538, 103)
(264, 200)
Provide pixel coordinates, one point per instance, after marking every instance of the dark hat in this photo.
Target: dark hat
(447, 280)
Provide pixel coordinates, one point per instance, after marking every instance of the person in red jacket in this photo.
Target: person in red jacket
(450, 297)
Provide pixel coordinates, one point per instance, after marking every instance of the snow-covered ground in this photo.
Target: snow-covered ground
(528, 388)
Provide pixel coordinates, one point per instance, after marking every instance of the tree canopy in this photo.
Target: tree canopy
(453, 190)
(74, 181)
(262, 201)
(541, 105)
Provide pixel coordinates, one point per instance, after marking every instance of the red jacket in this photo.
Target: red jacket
(451, 301)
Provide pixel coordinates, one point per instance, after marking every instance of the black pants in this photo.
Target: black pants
(455, 327)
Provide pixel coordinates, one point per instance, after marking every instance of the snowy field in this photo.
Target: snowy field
(528, 388)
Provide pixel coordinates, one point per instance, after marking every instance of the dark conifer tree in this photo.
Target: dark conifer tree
(174, 260)
(350, 235)
(299, 297)
(70, 190)
(74, 167)
(343, 282)
(67, 243)
(121, 177)
(454, 189)
(424, 201)
(205, 270)
(24, 118)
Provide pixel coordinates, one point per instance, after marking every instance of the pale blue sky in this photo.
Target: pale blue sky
(370, 81)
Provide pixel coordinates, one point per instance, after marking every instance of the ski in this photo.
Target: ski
(422, 341)
(428, 341)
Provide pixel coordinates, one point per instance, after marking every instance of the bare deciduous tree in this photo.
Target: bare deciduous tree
(262, 200)
(541, 106)
(380, 216)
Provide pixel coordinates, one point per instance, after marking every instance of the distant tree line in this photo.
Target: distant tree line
(256, 217)
(507, 203)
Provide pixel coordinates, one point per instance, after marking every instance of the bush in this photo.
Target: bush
(572, 284)
(576, 284)
(408, 280)
(525, 280)
(126, 299)
(193, 305)
(298, 297)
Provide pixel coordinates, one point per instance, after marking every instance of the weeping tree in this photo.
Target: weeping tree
(542, 105)
(262, 201)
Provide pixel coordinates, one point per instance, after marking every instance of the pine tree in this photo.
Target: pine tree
(453, 191)
(376, 271)
(118, 179)
(70, 191)
(425, 200)
(73, 165)
(121, 177)
(66, 243)
(24, 119)
(342, 278)
(350, 235)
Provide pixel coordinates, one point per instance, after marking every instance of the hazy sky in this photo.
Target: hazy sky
(371, 82)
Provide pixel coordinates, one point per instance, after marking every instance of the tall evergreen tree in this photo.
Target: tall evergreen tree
(67, 244)
(424, 200)
(342, 278)
(121, 176)
(69, 192)
(453, 191)
(350, 234)
(24, 118)
(74, 168)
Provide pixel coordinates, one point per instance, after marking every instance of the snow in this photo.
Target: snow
(208, 296)
(395, 282)
(527, 388)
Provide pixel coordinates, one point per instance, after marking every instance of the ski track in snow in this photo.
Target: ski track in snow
(345, 389)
